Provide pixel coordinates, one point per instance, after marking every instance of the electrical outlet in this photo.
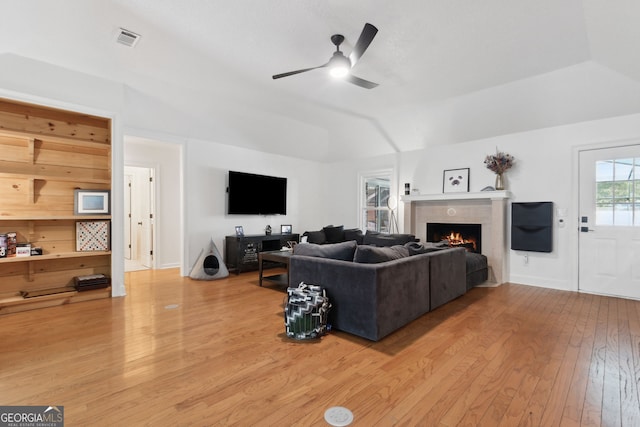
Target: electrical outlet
(526, 259)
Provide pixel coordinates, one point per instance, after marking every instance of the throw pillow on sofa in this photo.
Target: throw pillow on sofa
(341, 251)
(382, 239)
(354, 234)
(334, 234)
(373, 255)
(317, 237)
(416, 248)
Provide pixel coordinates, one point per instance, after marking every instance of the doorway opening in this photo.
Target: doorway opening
(139, 230)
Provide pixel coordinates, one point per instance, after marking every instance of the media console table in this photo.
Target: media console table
(241, 252)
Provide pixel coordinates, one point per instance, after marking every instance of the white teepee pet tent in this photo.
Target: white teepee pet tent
(209, 265)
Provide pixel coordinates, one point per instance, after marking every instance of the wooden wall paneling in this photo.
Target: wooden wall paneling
(84, 157)
(46, 121)
(12, 275)
(14, 149)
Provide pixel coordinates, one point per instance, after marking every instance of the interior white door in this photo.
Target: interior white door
(609, 222)
(127, 219)
(142, 216)
(146, 215)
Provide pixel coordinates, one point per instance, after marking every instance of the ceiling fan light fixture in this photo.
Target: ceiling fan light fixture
(339, 71)
(339, 65)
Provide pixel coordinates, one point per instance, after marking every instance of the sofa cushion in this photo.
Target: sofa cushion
(354, 234)
(334, 234)
(370, 237)
(372, 255)
(317, 237)
(382, 239)
(475, 262)
(416, 248)
(341, 251)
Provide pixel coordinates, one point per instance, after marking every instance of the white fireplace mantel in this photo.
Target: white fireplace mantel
(491, 195)
(487, 208)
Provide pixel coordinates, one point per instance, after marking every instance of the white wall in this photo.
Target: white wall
(544, 171)
(205, 162)
(342, 186)
(205, 200)
(320, 194)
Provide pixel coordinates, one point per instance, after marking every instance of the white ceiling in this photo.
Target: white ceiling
(448, 71)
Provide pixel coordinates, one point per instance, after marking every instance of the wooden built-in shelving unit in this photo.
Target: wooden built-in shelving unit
(46, 154)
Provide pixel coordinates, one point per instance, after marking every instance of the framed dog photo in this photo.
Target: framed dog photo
(455, 181)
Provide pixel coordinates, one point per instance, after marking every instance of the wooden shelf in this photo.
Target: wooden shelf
(19, 299)
(17, 303)
(55, 218)
(35, 174)
(54, 256)
(47, 154)
(58, 139)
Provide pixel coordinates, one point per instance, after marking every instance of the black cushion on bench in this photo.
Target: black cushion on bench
(477, 269)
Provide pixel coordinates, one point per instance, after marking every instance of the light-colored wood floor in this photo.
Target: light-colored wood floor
(512, 355)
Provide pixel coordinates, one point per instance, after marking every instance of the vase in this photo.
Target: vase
(499, 182)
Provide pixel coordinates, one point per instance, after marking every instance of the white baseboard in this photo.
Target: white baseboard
(542, 282)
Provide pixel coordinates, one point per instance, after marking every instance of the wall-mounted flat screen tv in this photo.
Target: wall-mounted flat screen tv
(251, 194)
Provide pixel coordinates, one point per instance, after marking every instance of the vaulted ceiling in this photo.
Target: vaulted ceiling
(449, 71)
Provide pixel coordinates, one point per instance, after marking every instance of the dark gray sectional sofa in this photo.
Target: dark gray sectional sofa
(375, 291)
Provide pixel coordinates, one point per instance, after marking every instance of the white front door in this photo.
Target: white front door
(609, 222)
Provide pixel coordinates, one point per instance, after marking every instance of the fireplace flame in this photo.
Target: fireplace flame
(456, 239)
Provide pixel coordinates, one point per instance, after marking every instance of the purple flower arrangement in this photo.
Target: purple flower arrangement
(499, 162)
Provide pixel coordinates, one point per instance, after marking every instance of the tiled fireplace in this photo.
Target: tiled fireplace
(484, 210)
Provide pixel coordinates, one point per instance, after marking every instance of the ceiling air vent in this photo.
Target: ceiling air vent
(127, 38)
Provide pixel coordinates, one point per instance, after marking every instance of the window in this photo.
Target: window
(618, 192)
(375, 190)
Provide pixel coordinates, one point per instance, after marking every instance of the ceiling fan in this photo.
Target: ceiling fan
(339, 65)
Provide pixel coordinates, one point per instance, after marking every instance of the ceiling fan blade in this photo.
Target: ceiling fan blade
(291, 73)
(366, 37)
(360, 82)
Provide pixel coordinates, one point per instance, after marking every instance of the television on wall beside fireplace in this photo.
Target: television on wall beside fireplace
(253, 194)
